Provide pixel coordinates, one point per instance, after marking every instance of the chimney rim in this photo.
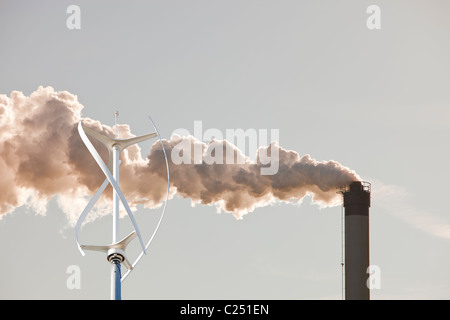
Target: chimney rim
(358, 186)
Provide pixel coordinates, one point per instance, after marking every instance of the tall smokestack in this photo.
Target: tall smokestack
(357, 203)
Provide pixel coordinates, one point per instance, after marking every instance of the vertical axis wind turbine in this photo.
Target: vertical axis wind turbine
(115, 251)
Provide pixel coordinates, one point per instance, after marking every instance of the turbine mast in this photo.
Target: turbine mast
(116, 261)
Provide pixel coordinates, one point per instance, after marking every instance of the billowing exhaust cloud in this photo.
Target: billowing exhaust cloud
(42, 157)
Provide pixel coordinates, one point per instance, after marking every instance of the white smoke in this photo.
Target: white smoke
(42, 157)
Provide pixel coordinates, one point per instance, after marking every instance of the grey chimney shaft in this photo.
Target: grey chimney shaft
(357, 203)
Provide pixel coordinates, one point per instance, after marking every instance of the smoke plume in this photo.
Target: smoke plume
(42, 157)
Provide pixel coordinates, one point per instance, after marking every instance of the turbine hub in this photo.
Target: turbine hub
(116, 255)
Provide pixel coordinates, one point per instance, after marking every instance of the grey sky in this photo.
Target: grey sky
(375, 101)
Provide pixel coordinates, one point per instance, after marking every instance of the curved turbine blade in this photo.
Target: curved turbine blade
(86, 211)
(164, 209)
(111, 180)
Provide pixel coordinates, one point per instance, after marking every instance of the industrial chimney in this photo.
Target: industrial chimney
(357, 203)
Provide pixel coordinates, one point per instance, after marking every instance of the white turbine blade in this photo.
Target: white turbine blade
(86, 211)
(95, 248)
(111, 161)
(127, 264)
(107, 141)
(128, 238)
(121, 245)
(164, 208)
(125, 143)
(111, 180)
